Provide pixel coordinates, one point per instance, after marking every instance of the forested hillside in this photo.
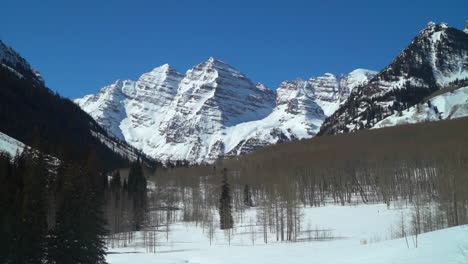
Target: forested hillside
(34, 115)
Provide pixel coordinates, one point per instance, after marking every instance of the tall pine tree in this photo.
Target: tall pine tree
(225, 203)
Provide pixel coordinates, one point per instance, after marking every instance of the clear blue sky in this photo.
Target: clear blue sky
(80, 46)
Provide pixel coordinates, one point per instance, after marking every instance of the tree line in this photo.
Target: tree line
(418, 164)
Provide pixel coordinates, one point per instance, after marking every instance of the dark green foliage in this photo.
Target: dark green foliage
(50, 215)
(136, 188)
(225, 203)
(79, 229)
(23, 225)
(63, 128)
(247, 196)
(116, 181)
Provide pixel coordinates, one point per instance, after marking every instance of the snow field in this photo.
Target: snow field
(347, 234)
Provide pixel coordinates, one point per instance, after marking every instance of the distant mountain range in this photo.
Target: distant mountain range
(214, 110)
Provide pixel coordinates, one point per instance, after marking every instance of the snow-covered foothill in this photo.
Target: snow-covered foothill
(449, 105)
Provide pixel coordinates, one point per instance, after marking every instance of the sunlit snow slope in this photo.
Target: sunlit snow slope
(449, 105)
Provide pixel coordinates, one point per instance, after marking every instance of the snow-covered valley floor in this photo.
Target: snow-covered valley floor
(330, 234)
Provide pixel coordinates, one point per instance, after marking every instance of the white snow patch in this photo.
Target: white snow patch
(10, 145)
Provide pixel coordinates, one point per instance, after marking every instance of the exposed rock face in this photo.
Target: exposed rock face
(214, 110)
(332, 90)
(126, 106)
(435, 59)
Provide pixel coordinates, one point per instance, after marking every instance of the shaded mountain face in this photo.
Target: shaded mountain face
(214, 110)
(32, 114)
(14, 62)
(436, 59)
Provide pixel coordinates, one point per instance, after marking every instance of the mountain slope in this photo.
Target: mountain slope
(214, 110)
(435, 59)
(10, 59)
(10, 145)
(449, 105)
(35, 116)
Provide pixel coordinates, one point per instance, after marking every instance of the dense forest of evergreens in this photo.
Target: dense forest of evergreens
(55, 213)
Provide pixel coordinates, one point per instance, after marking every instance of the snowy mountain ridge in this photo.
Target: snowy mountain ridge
(436, 59)
(214, 110)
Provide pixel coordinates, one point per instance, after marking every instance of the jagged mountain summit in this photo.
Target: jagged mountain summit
(436, 59)
(214, 110)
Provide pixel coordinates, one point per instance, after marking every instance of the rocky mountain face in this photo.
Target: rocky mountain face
(214, 110)
(436, 59)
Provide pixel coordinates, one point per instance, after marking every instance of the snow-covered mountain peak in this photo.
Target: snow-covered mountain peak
(435, 59)
(163, 68)
(262, 87)
(163, 78)
(212, 59)
(359, 77)
(433, 31)
(214, 68)
(431, 24)
(214, 110)
(332, 90)
(466, 27)
(328, 90)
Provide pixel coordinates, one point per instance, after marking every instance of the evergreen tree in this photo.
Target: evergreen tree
(79, 229)
(225, 203)
(247, 196)
(136, 187)
(24, 223)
